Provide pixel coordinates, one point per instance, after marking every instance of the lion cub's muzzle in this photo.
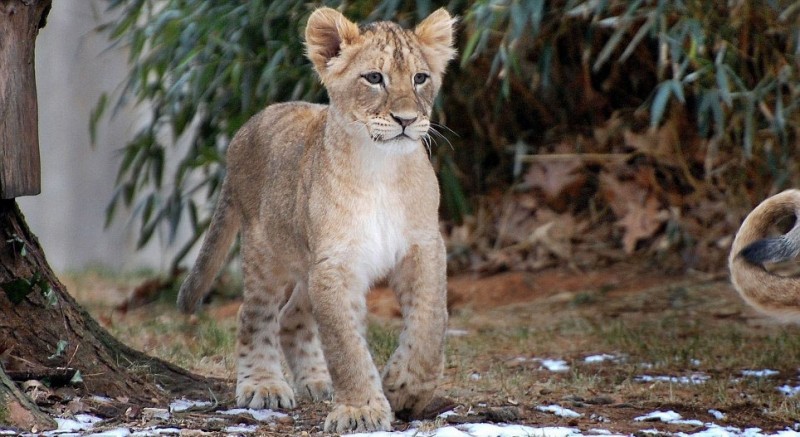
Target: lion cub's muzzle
(398, 127)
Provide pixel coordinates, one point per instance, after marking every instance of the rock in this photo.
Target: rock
(600, 400)
(503, 414)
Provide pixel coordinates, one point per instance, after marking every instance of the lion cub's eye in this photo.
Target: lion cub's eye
(420, 78)
(374, 77)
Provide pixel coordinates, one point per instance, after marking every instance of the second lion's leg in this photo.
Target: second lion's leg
(302, 349)
(259, 376)
(413, 371)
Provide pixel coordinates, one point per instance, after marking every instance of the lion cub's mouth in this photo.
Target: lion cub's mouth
(399, 144)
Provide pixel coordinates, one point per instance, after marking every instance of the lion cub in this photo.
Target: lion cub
(328, 200)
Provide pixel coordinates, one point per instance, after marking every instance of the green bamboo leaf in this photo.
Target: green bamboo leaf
(94, 116)
(648, 27)
(660, 101)
(749, 124)
(471, 47)
(148, 206)
(677, 90)
(536, 15)
(623, 23)
(724, 86)
(157, 165)
(518, 20)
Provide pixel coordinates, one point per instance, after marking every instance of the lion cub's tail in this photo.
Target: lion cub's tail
(775, 295)
(219, 237)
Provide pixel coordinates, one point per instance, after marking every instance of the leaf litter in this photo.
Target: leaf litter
(599, 327)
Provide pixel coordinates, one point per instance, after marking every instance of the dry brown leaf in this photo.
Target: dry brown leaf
(641, 222)
(620, 194)
(556, 180)
(543, 236)
(657, 142)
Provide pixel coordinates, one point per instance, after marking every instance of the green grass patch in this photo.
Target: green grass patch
(382, 340)
(3, 412)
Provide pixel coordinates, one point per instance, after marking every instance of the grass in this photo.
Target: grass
(665, 331)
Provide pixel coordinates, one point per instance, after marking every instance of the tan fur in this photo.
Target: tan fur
(774, 295)
(329, 200)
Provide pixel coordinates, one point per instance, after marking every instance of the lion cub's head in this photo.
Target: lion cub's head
(382, 79)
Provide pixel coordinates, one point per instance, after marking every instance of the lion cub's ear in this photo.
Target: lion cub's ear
(435, 33)
(327, 32)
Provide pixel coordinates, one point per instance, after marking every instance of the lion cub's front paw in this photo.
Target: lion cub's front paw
(406, 393)
(265, 393)
(376, 416)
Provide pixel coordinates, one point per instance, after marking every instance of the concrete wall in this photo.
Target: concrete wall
(73, 68)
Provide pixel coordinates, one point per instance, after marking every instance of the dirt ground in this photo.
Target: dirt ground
(665, 342)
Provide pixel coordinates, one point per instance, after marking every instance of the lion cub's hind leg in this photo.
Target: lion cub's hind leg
(302, 348)
(259, 377)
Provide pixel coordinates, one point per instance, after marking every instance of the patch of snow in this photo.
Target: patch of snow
(659, 416)
(592, 359)
(690, 422)
(719, 415)
(248, 429)
(489, 430)
(558, 411)
(475, 376)
(452, 332)
(604, 433)
(693, 379)
(714, 430)
(479, 430)
(447, 414)
(155, 413)
(760, 373)
(81, 422)
(101, 399)
(260, 415)
(553, 365)
(7, 432)
(116, 432)
(667, 417)
(184, 404)
(789, 390)
(695, 362)
(156, 431)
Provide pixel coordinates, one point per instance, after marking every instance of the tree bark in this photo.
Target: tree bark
(20, 21)
(43, 331)
(32, 329)
(17, 410)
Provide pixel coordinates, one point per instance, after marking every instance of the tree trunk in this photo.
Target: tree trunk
(43, 330)
(44, 334)
(20, 21)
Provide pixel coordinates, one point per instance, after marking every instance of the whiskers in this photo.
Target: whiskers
(361, 128)
(433, 133)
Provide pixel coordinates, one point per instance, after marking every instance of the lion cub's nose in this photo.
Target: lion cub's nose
(404, 120)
